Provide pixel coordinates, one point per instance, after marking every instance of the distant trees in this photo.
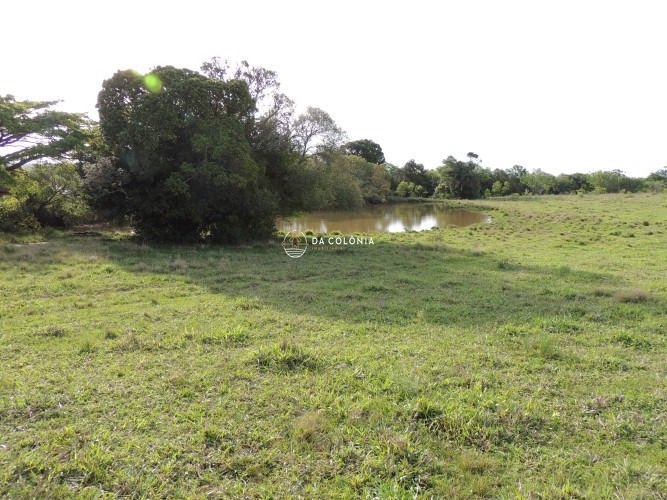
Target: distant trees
(316, 131)
(538, 182)
(459, 179)
(613, 181)
(659, 175)
(407, 189)
(341, 181)
(415, 173)
(657, 181)
(369, 150)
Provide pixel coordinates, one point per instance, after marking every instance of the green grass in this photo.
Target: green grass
(521, 358)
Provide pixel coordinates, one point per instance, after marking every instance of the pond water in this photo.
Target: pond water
(388, 218)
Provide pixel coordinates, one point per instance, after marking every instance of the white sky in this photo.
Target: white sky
(562, 85)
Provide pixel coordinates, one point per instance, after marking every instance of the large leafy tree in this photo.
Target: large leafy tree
(416, 173)
(539, 182)
(269, 131)
(316, 131)
(32, 131)
(459, 179)
(373, 180)
(369, 150)
(182, 166)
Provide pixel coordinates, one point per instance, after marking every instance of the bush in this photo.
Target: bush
(44, 195)
(14, 217)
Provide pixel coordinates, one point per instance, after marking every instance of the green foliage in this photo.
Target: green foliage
(44, 195)
(31, 131)
(614, 181)
(369, 150)
(373, 179)
(538, 182)
(182, 163)
(500, 188)
(459, 179)
(345, 190)
(416, 173)
(407, 189)
(659, 175)
(337, 181)
(315, 131)
(14, 216)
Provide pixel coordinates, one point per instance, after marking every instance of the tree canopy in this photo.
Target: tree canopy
(32, 131)
(182, 161)
(369, 150)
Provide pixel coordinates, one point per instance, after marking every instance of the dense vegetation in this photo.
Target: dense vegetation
(216, 154)
(519, 359)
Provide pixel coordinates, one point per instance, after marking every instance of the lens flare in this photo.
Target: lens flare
(153, 83)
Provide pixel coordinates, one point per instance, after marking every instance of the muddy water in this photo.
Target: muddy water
(389, 218)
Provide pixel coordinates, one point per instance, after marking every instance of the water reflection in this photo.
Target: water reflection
(390, 218)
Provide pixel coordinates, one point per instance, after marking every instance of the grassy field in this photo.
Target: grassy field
(521, 358)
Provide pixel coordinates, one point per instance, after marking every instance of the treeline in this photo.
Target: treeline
(215, 155)
(469, 180)
(181, 155)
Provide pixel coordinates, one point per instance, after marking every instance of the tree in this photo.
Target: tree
(373, 180)
(268, 128)
(459, 179)
(44, 195)
(405, 189)
(53, 194)
(180, 153)
(514, 176)
(396, 175)
(416, 173)
(564, 184)
(316, 131)
(32, 131)
(500, 188)
(539, 182)
(614, 181)
(580, 182)
(369, 150)
(485, 178)
(659, 175)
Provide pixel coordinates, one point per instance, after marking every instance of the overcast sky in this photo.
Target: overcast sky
(563, 86)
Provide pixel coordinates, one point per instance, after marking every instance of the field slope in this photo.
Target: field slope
(519, 358)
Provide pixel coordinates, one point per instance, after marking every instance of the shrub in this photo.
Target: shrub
(44, 195)
(14, 216)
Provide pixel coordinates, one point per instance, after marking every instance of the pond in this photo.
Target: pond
(388, 218)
